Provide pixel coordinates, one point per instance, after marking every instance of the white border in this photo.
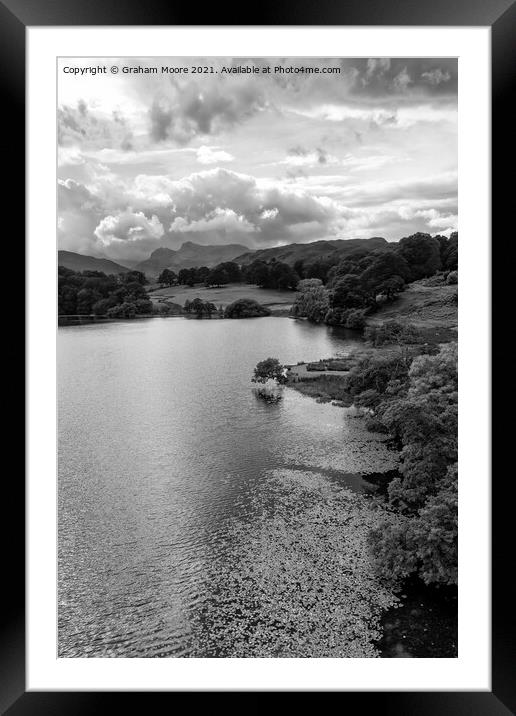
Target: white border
(471, 670)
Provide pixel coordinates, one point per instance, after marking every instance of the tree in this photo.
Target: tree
(123, 310)
(67, 300)
(143, 306)
(217, 277)
(200, 308)
(421, 534)
(246, 308)
(132, 276)
(258, 273)
(86, 297)
(269, 369)
(313, 300)
(201, 274)
(186, 277)
(95, 292)
(349, 293)
(232, 270)
(422, 254)
(100, 308)
(283, 277)
(167, 277)
(299, 268)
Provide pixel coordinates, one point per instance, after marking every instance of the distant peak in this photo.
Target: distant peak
(162, 251)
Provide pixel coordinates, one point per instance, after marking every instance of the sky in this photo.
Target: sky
(256, 158)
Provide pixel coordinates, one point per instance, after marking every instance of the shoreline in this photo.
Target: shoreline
(424, 623)
(64, 321)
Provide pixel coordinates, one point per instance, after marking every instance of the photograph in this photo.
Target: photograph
(257, 370)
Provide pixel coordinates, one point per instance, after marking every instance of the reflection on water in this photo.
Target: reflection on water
(161, 444)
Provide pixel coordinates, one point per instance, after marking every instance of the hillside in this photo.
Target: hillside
(316, 250)
(188, 256)
(432, 309)
(78, 262)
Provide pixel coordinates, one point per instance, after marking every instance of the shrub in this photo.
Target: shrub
(452, 279)
(393, 331)
(355, 319)
(246, 308)
(124, 310)
(269, 369)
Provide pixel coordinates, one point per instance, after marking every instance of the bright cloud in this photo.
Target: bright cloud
(213, 155)
(144, 162)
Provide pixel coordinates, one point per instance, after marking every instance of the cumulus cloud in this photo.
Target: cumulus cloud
(225, 220)
(369, 151)
(223, 200)
(127, 226)
(213, 155)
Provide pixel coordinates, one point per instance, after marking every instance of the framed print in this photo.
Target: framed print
(258, 443)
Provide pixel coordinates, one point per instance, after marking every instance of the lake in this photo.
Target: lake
(163, 446)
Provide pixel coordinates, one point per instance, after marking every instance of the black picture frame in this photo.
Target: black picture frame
(500, 15)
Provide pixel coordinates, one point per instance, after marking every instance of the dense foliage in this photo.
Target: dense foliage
(313, 300)
(200, 308)
(392, 331)
(246, 308)
(94, 292)
(167, 278)
(269, 369)
(272, 274)
(364, 281)
(415, 399)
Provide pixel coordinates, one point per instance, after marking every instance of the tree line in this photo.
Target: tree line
(363, 281)
(273, 274)
(94, 292)
(414, 397)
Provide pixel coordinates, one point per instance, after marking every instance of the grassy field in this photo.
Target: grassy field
(223, 296)
(432, 309)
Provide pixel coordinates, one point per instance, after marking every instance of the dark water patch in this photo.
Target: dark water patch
(423, 625)
(377, 483)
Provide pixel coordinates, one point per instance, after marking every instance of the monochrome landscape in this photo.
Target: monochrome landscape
(257, 357)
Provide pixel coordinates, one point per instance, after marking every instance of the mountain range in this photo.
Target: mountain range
(78, 262)
(191, 254)
(290, 253)
(188, 256)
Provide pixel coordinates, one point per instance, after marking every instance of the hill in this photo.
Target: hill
(336, 249)
(78, 262)
(432, 309)
(188, 256)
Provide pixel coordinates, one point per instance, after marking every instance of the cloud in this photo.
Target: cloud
(377, 67)
(225, 220)
(383, 78)
(189, 109)
(80, 126)
(369, 151)
(213, 155)
(128, 226)
(300, 157)
(223, 206)
(436, 77)
(395, 118)
(402, 80)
